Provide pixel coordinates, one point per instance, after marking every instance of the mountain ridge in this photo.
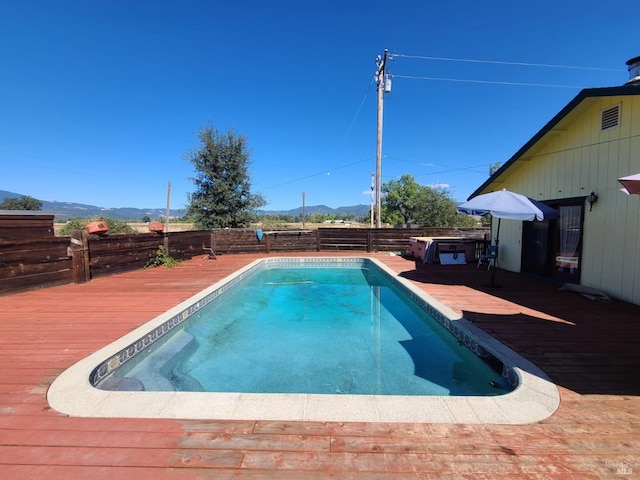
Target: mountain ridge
(66, 210)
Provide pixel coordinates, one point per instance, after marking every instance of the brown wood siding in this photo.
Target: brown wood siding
(34, 263)
(23, 227)
(387, 239)
(237, 241)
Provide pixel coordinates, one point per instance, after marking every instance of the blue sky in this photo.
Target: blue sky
(100, 100)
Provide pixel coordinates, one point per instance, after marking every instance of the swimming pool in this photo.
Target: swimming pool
(311, 327)
(74, 392)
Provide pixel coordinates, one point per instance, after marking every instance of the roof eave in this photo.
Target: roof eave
(584, 94)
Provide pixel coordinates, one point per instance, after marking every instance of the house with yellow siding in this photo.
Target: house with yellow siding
(573, 164)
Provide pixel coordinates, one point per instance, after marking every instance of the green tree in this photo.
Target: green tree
(437, 209)
(494, 167)
(222, 197)
(317, 217)
(23, 203)
(485, 220)
(399, 199)
(406, 201)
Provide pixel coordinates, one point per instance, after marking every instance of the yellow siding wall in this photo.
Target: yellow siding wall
(571, 161)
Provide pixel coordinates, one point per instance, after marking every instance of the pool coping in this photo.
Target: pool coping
(534, 399)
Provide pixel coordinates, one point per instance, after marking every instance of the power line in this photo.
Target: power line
(499, 62)
(324, 172)
(462, 80)
(353, 121)
(469, 169)
(425, 164)
(340, 167)
(355, 117)
(448, 169)
(332, 168)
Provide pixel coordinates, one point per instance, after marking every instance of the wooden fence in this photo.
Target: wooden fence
(34, 263)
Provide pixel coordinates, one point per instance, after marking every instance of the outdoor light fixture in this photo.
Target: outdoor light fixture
(592, 198)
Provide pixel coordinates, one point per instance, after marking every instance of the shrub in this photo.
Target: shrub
(115, 226)
(162, 258)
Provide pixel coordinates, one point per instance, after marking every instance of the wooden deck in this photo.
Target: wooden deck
(590, 349)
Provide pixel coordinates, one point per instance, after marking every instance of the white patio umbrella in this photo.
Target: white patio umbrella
(631, 184)
(510, 205)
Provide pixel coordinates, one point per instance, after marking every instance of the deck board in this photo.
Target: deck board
(590, 349)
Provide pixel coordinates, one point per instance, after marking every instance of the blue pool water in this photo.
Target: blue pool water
(306, 329)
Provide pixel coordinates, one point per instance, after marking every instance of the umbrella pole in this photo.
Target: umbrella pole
(493, 283)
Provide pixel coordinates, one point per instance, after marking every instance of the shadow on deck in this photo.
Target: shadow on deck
(587, 346)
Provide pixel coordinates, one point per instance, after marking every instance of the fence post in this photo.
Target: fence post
(317, 240)
(165, 242)
(80, 257)
(369, 242)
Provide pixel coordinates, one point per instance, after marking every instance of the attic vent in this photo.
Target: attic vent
(610, 118)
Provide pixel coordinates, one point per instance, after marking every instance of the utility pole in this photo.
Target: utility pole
(303, 195)
(384, 86)
(166, 220)
(373, 177)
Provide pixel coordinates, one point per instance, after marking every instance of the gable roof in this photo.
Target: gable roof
(572, 105)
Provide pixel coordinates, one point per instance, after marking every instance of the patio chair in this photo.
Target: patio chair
(491, 257)
(209, 250)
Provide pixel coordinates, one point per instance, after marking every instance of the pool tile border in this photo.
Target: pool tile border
(534, 398)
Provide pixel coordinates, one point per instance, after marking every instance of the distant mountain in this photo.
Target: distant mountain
(4, 194)
(357, 210)
(65, 210)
